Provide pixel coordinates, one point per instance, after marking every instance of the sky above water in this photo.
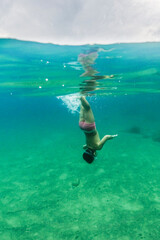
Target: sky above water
(81, 21)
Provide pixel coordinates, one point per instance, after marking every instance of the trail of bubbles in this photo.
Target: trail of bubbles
(72, 101)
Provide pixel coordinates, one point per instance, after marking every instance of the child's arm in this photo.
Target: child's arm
(104, 139)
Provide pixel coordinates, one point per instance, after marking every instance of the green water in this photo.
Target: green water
(47, 190)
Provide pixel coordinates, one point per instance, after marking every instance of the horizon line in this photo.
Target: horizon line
(83, 44)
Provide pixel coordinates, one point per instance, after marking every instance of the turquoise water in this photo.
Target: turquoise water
(47, 190)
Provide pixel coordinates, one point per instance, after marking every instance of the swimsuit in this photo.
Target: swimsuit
(87, 127)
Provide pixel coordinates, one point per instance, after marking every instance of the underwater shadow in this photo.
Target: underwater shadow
(133, 130)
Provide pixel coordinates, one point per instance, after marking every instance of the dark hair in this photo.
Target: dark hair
(89, 155)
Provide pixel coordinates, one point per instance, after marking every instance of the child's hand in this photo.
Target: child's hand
(108, 137)
(116, 135)
(85, 146)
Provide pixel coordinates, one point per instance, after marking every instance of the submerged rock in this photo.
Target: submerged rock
(76, 182)
(156, 137)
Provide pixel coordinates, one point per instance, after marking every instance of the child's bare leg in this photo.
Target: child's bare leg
(87, 111)
(85, 103)
(81, 115)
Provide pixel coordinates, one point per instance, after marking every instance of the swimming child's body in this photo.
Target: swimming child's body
(87, 124)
